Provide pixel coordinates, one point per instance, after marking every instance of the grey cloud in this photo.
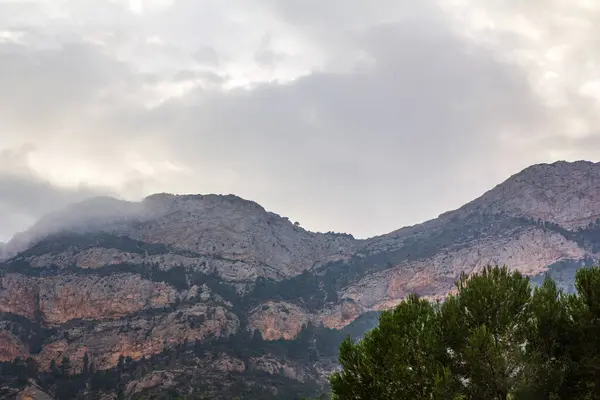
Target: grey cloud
(338, 146)
(403, 118)
(206, 55)
(341, 16)
(264, 55)
(24, 197)
(50, 86)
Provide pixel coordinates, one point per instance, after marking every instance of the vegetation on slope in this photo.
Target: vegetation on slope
(189, 364)
(497, 338)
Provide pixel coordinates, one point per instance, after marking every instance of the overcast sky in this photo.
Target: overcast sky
(346, 115)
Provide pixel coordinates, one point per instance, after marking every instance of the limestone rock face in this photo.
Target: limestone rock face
(140, 336)
(100, 257)
(530, 251)
(10, 346)
(19, 295)
(274, 366)
(278, 320)
(342, 314)
(58, 299)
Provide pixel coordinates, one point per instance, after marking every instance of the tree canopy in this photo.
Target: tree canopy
(497, 338)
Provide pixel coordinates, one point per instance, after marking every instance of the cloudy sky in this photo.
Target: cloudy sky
(346, 115)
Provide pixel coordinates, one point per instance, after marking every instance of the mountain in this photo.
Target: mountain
(215, 295)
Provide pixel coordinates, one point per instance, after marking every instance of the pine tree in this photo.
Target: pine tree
(53, 368)
(121, 364)
(402, 358)
(65, 367)
(495, 339)
(31, 367)
(484, 326)
(86, 365)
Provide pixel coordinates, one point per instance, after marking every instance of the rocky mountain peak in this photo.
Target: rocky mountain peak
(196, 202)
(564, 193)
(222, 226)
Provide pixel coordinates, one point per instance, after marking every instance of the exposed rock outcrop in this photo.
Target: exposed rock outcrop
(138, 337)
(278, 320)
(58, 299)
(274, 366)
(11, 346)
(100, 257)
(530, 251)
(342, 314)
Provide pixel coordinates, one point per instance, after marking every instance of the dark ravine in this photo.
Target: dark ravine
(215, 296)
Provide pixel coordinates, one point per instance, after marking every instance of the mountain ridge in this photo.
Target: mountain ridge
(139, 209)
(255, 292)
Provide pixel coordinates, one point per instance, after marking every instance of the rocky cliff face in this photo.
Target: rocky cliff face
(216, 291)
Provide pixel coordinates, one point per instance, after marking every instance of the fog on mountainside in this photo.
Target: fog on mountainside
(531, 185)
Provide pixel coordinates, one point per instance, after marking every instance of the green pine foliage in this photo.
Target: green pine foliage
(496, 338)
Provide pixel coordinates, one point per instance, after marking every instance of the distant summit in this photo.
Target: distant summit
(564, 193)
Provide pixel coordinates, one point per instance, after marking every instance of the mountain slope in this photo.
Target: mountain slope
(562, 193)
(197, 228)
(218, 291)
